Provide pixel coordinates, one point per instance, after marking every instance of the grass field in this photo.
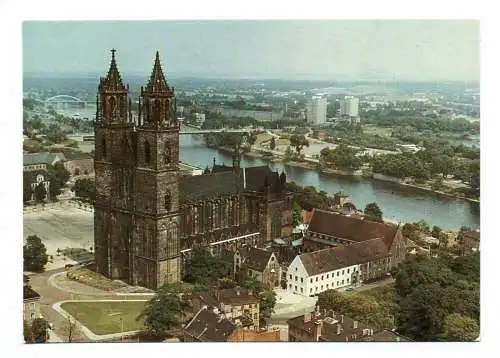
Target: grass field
(104, 317)
(371, 129)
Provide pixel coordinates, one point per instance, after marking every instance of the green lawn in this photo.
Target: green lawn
(104, 317)
(371, 129)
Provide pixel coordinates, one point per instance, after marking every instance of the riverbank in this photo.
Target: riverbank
(309, 165)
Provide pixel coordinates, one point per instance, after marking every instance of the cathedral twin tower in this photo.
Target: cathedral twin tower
(147, 214)
(136, 220)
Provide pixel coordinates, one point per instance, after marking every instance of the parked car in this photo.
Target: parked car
(349, 289)
(67, 266)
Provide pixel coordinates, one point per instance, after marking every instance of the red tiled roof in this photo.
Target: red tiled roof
(338, 257)
(350, 227)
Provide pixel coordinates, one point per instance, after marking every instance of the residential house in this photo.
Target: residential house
(326, 326)
(31, 303)
(328, 228)
(386, 336)
(40, 161)
(236, 304)
(35, 167)
(338, 267)
(261, 264)
(208, 326)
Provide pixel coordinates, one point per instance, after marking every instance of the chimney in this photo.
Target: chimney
(307, 317)
(355, 325)
(237, 291)
(398, 339)
(250, 293)
(339, 328)
(318, 325)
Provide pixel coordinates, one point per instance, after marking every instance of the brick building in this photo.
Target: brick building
(148, 215)
(328, 229)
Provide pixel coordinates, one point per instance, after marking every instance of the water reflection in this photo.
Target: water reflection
(397, 202)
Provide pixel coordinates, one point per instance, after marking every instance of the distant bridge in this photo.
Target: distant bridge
(63, 98)
(90, 136)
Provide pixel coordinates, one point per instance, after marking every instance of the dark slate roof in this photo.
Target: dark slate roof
(386, 336)
(198, 187)
(338, 257)
(29, 293)
(350, 227)
(257, 259)
(206, 298)
(258, 177)
(207, 326)
(330, 321)
(237, 296)
(41, 158)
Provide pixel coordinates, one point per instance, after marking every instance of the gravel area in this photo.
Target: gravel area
(61, 226)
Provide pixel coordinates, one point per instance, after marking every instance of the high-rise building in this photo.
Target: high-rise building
(349, 107)
(316, 110)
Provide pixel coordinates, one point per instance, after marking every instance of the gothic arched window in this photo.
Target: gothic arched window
(103, 148)
(168, 201)
(147, 152)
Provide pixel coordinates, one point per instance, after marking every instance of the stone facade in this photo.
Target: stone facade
(148, 215)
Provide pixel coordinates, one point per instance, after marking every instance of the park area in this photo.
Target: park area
(105, 317)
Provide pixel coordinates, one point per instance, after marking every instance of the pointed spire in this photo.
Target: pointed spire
(113, 81)
(157, 82)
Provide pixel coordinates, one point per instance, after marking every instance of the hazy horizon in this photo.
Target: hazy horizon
(332, 50)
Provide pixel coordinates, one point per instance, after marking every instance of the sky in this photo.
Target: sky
(412, 50)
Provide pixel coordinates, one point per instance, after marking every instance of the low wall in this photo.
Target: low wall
(383, 177)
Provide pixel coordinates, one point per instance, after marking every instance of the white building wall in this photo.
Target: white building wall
(349, 106)
(316, 110)
(299, 282)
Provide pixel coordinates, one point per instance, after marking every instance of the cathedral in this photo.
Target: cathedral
(148, 214)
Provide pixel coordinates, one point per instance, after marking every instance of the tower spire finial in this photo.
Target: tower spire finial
(113, 53)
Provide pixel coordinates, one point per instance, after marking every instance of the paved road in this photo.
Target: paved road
(53, 288)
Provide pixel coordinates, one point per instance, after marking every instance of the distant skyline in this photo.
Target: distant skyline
(402, 50)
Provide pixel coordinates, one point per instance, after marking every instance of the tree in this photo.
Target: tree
(272, 143)
(458, 328)
(421, 315)
(373, 212)
(39, 328)
(55, 134)
(27, 190)
(267, 303)
(165, 311)
(299, 141)
(288, 154)
(297, 217)
(70, 328)
(58, 177)
(34, 254)
(40, 192)
(203, 268)
(436, 230)
(85, 188)
(225, 283)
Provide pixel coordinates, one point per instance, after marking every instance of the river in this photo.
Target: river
(398, 203)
